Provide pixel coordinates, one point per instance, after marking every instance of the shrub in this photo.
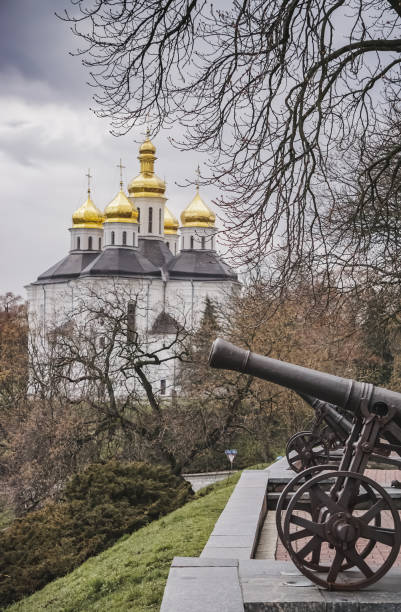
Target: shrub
(100, 505)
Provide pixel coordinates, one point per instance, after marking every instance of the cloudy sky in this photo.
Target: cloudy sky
(48, 140)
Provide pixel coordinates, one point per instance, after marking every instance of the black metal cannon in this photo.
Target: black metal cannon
(337, 518)
(323, 442)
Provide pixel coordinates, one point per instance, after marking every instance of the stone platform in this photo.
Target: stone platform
(232, 585)
(244, 568)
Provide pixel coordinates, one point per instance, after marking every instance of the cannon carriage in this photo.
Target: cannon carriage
(334, 518)
(324, 442)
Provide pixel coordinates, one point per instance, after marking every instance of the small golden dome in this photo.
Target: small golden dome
(87, 215)
(147, 146)
(197, 214)
(147, 184)
(170, 222)
(120, 210)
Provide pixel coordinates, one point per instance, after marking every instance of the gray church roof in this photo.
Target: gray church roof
(199, 264)
(69, 267)
(156, 251)
(121, 262)
(150, 259)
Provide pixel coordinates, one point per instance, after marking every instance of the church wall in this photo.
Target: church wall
(187, 297)
(80, 239)
(151, 216)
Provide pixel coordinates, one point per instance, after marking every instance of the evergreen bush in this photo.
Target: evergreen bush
(99, 506)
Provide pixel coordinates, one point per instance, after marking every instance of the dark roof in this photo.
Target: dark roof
(156, 251)
(199, 263)
(69, 267)
(121, 262)
(165, 324)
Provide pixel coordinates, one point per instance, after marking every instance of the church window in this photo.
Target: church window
(90, 243)
(160, 221)
(78, 243)
(168, 245)
(192, 242)
(139, 219)
(133, 238)
(131, 321)
(203, 242)
(124, 238)
(163, 386)
(112, 238)
(212, 243)
(100, 243)
(175, 249)
(150, 226)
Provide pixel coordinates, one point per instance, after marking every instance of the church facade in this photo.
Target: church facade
(138, 244)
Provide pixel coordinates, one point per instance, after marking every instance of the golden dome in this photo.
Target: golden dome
(120, 210)
(197, 214)
(87, 215)
(147, 184)
(170, 222)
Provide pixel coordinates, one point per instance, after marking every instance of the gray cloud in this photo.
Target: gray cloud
(48, 139)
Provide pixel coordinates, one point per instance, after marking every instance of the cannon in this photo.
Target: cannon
(322, 446)
(336, 519)
(323, 442)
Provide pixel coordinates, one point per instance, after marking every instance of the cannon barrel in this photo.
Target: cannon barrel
(342, 392)
(337, 421)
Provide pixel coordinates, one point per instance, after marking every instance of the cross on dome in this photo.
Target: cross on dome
(89, 180)
(120, 165)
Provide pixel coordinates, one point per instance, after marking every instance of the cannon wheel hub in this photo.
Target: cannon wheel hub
(342, 530)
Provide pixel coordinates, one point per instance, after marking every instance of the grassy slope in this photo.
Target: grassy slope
(131, 575)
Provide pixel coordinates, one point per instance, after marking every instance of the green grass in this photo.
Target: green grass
(131, 575)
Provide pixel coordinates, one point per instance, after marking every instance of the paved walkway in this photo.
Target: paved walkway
(270, 547)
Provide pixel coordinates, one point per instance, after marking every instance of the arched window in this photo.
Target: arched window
(203, 242)
(90, 243)
(139, 219)
(78, 243)
(168, 245)
(175, 249)
(150, 225)
(160, 220)
(192, 242)
(163, 386)
(100, 244)
(212, 243)
(112, 237)
(133, 238)
(124, 238)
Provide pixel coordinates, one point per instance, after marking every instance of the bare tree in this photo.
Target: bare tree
(103, 357)
(272, 91)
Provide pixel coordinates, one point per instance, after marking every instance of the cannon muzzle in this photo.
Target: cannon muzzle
(342, 392)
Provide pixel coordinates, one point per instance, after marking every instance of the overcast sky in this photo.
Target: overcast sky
(48, 140)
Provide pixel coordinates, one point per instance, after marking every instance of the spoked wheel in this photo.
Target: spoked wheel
(288, 493)
(313, 507)
(304, 450)
(345, 532)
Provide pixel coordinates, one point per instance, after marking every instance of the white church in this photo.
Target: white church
(137, 242)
